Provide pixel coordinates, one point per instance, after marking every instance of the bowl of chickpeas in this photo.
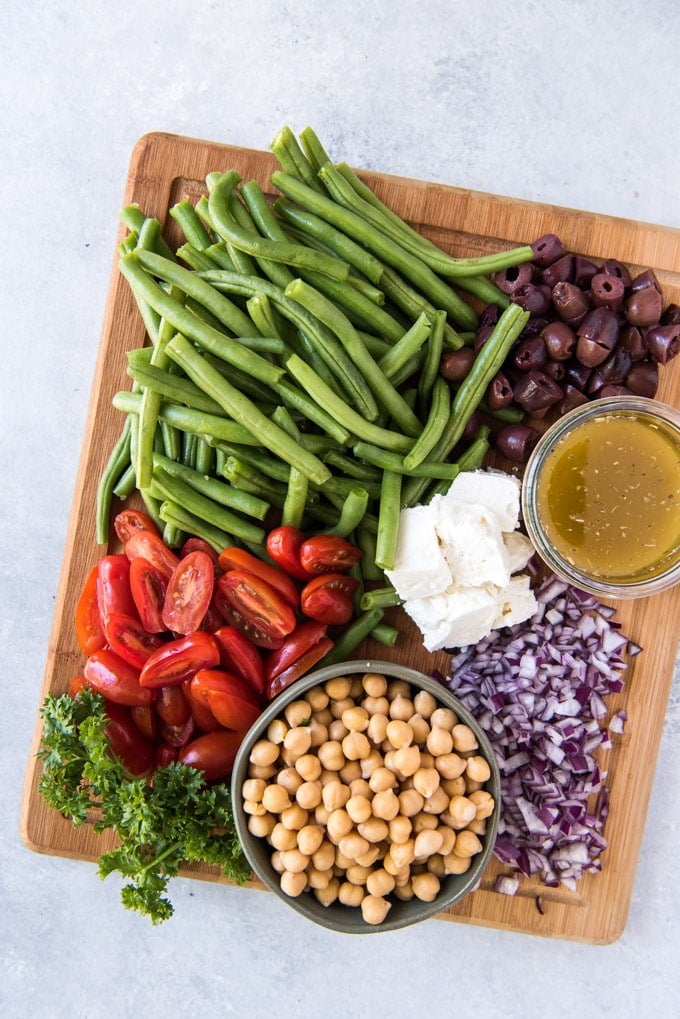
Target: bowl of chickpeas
(366, 796)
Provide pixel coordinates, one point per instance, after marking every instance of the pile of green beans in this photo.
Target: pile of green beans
(291, 373)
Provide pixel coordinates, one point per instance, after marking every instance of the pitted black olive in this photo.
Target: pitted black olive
(607, 291)
(536, 391)
(663, 342)
(561, 271)
(570, 302)
(560, 340)
(597, 336)
(529, 354)
(643, 379)
(547, 249)
(516, 442)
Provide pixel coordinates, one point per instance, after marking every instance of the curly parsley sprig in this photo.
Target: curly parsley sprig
(159, 826)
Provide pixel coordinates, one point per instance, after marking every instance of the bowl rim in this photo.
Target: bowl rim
(612, 405)
(274, 709)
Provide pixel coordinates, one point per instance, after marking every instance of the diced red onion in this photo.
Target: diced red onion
(539, 690)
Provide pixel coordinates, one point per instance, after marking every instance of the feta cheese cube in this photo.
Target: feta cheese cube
(455, 618)
(472, 543)
(496, 490)
(420, 568)
(516, 602)
(518, 548)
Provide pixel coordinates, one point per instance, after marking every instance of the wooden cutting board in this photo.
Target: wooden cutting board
(165, 168)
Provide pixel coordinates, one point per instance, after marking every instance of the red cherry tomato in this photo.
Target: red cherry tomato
(150, 546)
(303, 637)
(128, 638)
(189, 592)
(115, 679)
(172, 706)
(146, 720)
(77, 684)
(89, 629)
(179, 659)
(213, 753)
(259, 604)
(300, 666)
(328, 598)
(194, 544)
(135, 751)
(165, 755)
(283, 545)
(256, 634)
(238, 654)
(230, 698)
(148, 586)
(328, 553)
(114, 594)
(130, 520)
(178, 735)
(203, 717)
(234, 558)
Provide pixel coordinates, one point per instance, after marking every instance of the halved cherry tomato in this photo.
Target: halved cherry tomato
(194, 544)
(150, 546)
(231, 699)
(202, 715)
(328, 553)
(135, 751)
(234, 558)
(115, 679)
(179, 735)
(146, 720)
(172, 706)
(114, 594)
(165, 755)
(328, 598)
(257, 634)
(240, 655)
(213, 753)
(148, 586)
(189, 592)
(283, 545)
(128, 638)
(300, 666)
(258, 603)
(77, 684)
(89, 629)
(130, 520)
(177, 660)
(303, 637)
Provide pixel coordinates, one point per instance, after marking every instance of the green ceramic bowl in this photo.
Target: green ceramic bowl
(338, 917)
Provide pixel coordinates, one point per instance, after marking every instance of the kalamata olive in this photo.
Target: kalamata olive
(607, 291)
(515, 276)
(612, 267)
(561, 271)
(584, 270)
(608, 391)
(529, 354)
(611, 372)
(577, 375)
(663, 342)
(671, 315)
(516, 442)
(633, 341)
(473, 425)
(555, 369)
(573, 397)
(535, 391)
(643, 306)
(455, 365)
(487, 320)
(597, 336)
(645, 279)
(547, 249)
(643, 378)
(570, 303)
(534, 325)
(499, 392)
(533, 297)
(560, 340)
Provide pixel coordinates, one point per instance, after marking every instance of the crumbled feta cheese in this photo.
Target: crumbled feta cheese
(496, 490)
(519, 550)
(472, 543)
(516, 602)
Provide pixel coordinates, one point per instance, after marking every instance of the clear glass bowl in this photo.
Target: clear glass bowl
(606, 579)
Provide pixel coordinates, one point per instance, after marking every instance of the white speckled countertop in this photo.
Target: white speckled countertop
(566, 102)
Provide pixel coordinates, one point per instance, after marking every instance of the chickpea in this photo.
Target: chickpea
(339, 707)
(293, 884)
(385, 804)
(484, 802)
(294, 861)
(324, 857)
(448, 839)
(338, 825)
(256, 809)
(275, 798)
(360, 787)
(356, 690)
(373, 829)
(328, 895)
(276, 731)
(454, 786)
(294, 817)
(462, 811)
(283, 838)
(478, 769)
(464, 738)
(450, 765)
(368, 858)
(264, 753)
(467, 844)
(399, 733)
(377, 727)
(379, 882)
(420, 727)
(437, 803)
(337, 730)
(298, 741)
(374, 684)
(439, 741)
(400, 829)
(262, 771)
(335, 794)
(355, 746)
(427, 843)
(324, 717)
(443, 718)
(374, 909)
(426, 781)
(478, 826)
(425, 886)
(277, 862)
(358, 808)
(390, 762)
(309, 838)
(317, 698)
(318, 878)
(435, 865)
(404, 892)
(350, 771)
(401, 708)
(318, 732)
(331, 755)
(355, 718)
(424, 820)
(252, 789)
(408, 760)
(424, 703)
(410, 802)
(353, 844)
(338, 688)
(308, 766)
(471, 786)
(261, 825)
(349, 894)
(369, 763)
(357, 874)
(308, 796)
(376, 706)
(382, 779)
(321, 814)
(398, 688)
(401, 855)
(297, 713)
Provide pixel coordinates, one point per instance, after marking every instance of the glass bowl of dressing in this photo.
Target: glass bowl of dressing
(601, 497)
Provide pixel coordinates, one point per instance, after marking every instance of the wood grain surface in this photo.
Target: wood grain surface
(163, 169)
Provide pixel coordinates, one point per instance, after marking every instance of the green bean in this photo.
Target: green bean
(389, 461)
(353, 511)
(247, 384)
(219, 253)
(220, 187)
(168, 487)
(294, 397)
(388, 520)
(292, 158)
(485, 290)
(470, 460)
(350, 466)
(339, 324)
(195, 258)
(134, 218)
(134, 267)
(267, 465)
(295, 502)
(413, 304)
(385, 634)
(405, 348)
(380, 598)
(150, 405)
(351, 637)
(342, 413)
(181, 519)
(189, 222)
(119, 460)
(247, 478)
(212, 488)
(440, 409)
(363, 311)
(433, 355)
(314, 150)
(188, 419)
(126, 484)
(170, 439)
